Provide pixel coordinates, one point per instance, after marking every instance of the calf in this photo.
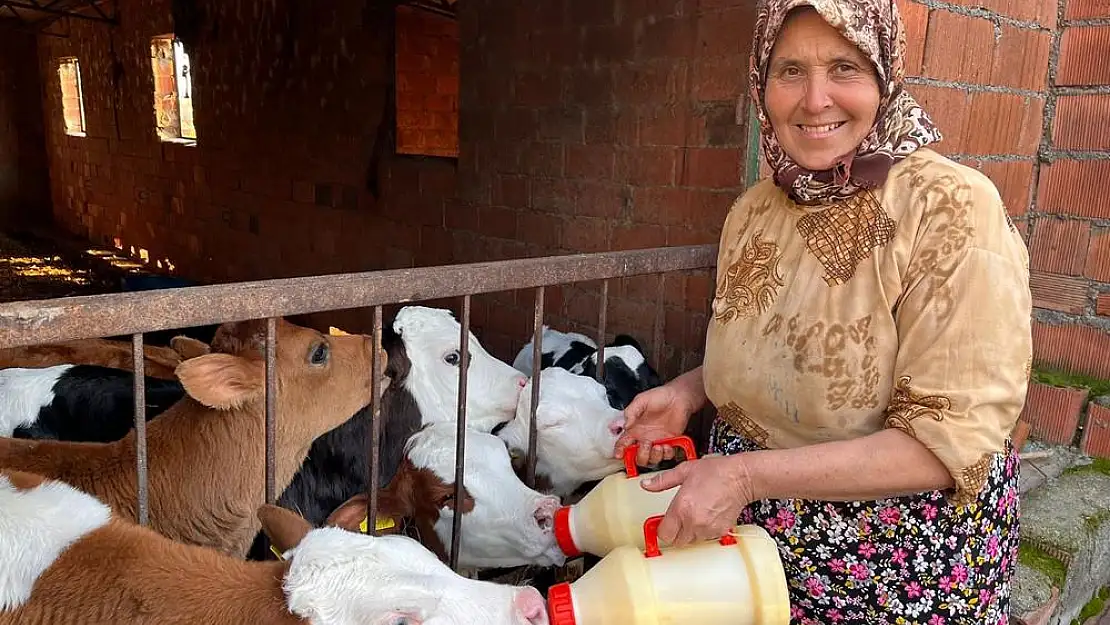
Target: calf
(77, 402)
(207, 451)
(158, 362)
(423, 367)
(627, 372)
(76, 562)
(576, 430)
(504, 522)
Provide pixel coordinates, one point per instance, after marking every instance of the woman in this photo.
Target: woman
(869, 348)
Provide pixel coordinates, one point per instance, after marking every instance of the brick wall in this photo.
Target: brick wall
(427, 83)
(287, 111)
(24, 194)
(1022, 91)
(600, 125)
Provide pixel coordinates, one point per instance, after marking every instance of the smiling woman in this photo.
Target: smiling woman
(870, 344)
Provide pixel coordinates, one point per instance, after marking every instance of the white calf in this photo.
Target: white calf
(576, 430)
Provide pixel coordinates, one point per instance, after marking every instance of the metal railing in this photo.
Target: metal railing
(62, 319)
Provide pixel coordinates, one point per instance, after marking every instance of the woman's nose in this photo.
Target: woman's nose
(816, 97)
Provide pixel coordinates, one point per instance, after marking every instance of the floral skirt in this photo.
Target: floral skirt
(908, 560)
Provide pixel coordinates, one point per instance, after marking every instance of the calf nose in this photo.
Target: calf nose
(522, 381)
(616, 426)
(529, 603)
(545, 512)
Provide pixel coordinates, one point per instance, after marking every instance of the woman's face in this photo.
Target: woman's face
(822, 93)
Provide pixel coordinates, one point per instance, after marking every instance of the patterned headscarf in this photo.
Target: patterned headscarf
(901, 125)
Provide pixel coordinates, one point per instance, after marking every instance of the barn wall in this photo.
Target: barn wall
(287, 104)
(600, 125)
(24, 194)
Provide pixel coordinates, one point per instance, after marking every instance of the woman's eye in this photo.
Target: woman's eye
(319, 355)
(452, 358)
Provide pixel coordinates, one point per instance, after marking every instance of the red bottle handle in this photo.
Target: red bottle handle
(651, 537)
(685, 442)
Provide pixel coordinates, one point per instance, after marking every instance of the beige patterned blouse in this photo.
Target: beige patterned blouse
(908, 307)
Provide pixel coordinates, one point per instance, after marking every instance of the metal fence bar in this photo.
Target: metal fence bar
(114, 314)
(460, 437)
(657, 331)
(602, 318)
(375, 426)
(138, 365)
(537, 330)
(271, 417)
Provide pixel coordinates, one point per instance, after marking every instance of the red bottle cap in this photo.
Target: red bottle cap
(562, 533)
(560, 605)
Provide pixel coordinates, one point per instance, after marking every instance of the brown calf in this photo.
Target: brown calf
(80, 565)
(207, 451)
(159, 362)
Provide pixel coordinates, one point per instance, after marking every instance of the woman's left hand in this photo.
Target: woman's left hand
(711, 493)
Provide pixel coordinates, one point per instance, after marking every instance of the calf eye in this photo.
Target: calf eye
(319, 355)
(452, 358)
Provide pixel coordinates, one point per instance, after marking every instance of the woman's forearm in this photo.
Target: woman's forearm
(691, 385)
(888, 463)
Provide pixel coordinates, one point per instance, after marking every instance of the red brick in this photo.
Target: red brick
(553, 195)
(541, 228)
(598, 199)
(536, 88)
(972, 36)
(512, 191)
(590, 161)
(1053, 412)
(1039, 11)
(717, 32)
(663, 126)
(1096, 432)
(1021, 58)
(638, 236)
(544, 159)
(948, 108)
(1073, 347)
(606, 44)
(497, 222)
(586, 234)
(713, 168)
(716, 79)
(669, 37)
(1055, 292)
(591, 86)
(1005, 124)
(1060, 246)
(1087, 9)
(916, 19)
(1098, 256)
(647, 166)
(1081, 122)
(1102, 305)
(1075, 188)
(666, 206)
(649, 82)
(1083, 54)
(1014, 181)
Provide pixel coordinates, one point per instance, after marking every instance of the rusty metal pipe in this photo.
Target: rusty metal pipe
(138, 364)
(460, 437)
(92, 316)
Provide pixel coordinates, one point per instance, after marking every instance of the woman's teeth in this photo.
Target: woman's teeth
(818, 130)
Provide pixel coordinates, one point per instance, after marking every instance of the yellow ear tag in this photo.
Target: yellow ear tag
(379, 525)
(276, 552)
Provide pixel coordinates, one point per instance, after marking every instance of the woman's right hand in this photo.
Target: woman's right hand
(658, 413)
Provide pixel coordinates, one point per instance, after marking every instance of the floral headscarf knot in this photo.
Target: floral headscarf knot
(901, 125)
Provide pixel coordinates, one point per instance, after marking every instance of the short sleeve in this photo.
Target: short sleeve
(965, 336)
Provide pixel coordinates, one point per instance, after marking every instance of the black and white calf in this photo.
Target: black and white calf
(422, 345)
(627, 372)
(86, 403)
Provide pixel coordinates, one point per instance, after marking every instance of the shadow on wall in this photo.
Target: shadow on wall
(24, 173)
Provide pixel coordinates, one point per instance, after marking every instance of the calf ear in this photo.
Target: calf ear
(351, 514)
(222, 381)
(187, 347)
(284, 528)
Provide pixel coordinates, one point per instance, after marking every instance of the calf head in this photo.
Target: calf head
(627, 372)
(429, 339)
(337, 577)
(321, 380)
(504, 522)
(576, 430)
